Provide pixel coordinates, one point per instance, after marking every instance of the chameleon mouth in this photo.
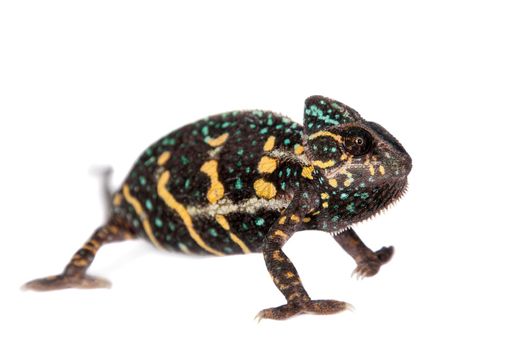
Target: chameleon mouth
(396, 192)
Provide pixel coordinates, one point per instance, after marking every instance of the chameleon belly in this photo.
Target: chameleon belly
(214, 186)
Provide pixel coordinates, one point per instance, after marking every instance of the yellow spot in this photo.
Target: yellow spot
(267, 165)
(325, 195)
(372, 170)
(298, 149)
(325, 204)
(182, 212)
(117, 200)
(336, 137)
(216, 190)
(344, 156)
(307, 219)
(295, 218)
(163, 158)
(277, 256)
(141, 214)
(269, 144)
(289, 274)
(382, 170)
(322, 164)
(348, 182)
(264, 189)
(332, 182)
(218, 140)
(280, 234)
(223, 222)
(307, 172)
(282, 220)
(316, 213)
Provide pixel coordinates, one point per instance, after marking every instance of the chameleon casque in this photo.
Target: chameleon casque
(245, 182)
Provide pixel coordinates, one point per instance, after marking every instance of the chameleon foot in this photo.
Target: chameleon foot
(371, 265)
(64, 281)
(317, 307)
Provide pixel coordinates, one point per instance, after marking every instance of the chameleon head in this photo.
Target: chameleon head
(356, 157)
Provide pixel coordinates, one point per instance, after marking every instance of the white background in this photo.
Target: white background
(87, 84)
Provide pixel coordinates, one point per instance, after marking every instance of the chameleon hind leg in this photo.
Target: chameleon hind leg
(368, 261)
(74, 274)
(287, 280)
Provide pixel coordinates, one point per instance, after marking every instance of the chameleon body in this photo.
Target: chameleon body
(245, 182)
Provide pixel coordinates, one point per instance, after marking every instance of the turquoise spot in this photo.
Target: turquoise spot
(351, 207)
(283, 185)
(362, 184)
(213, 232)
(238, 184)
(364, 195)
(230, 170)
(150, 161)
(270, 120)
(204, 130)
(168, 141)
(253, 126)
(333, 149)
(305, 194)
(187, 184)
(258, 113)
(335, 218)
(225, 125)
(259, 221)
(168, 238)
(288, 171)
(184, 160)
(247, 170)
(310, 125)
(344, 195)
(171, 225)
(194, 132)
(280, 174)
(240, 151)
(142, 180)
(279, 126)
(148, 204)
(158, 222)
(286, 141)
(244, 226)
(264, 131)
(228, 250)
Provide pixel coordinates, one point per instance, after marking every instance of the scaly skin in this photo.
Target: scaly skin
(245, 182)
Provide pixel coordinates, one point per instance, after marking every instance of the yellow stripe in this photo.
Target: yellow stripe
(269, 144)
(181, 210)
(141, 214)
(336, 137)
(219, 140)
(216, 190)
(226, 225)
(240, 243)
(322, 164)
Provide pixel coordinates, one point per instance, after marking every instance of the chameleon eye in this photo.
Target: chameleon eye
(357, 141)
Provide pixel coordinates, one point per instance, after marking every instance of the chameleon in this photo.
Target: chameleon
(244, 182)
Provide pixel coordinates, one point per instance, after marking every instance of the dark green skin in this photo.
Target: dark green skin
(243, 182)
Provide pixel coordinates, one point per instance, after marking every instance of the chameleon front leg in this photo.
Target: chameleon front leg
(368, 262)
(287, 279)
